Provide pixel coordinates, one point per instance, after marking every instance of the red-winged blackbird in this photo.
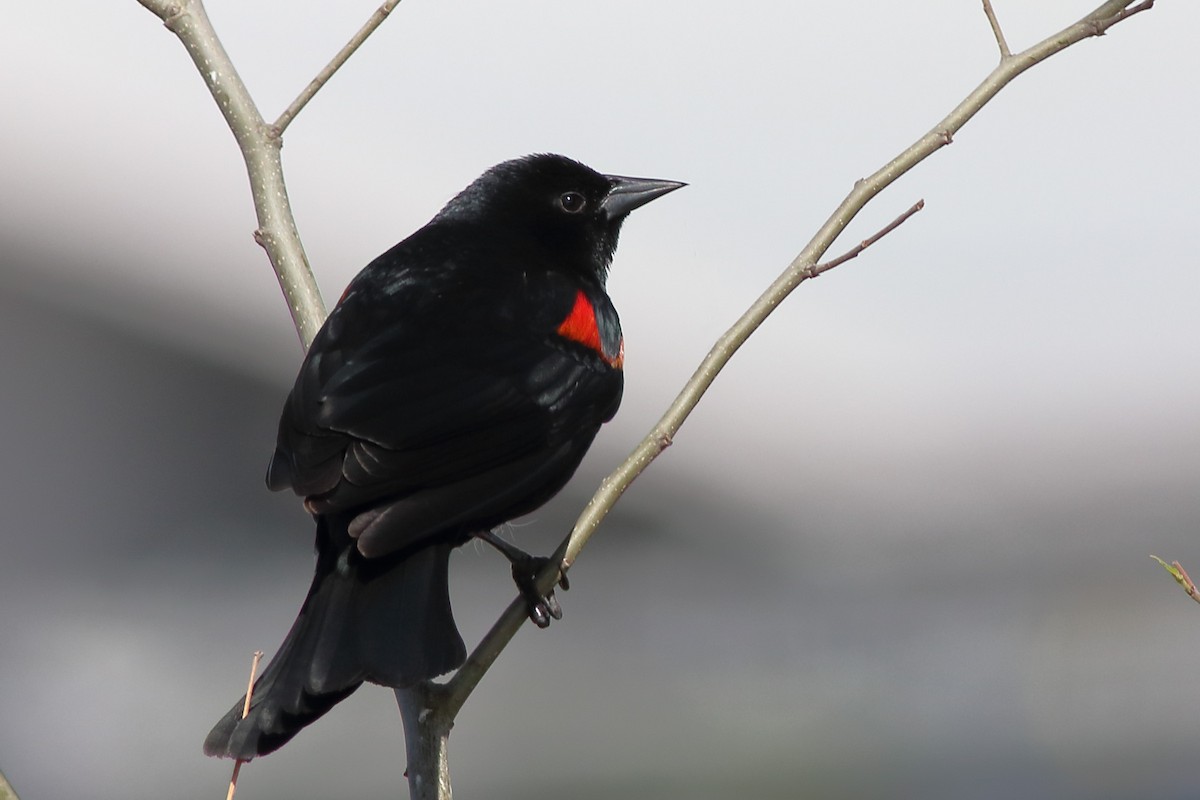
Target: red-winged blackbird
(456, 385)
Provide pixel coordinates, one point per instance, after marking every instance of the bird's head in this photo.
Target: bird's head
(573, 212)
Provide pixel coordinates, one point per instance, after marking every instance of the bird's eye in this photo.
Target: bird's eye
(572, 202)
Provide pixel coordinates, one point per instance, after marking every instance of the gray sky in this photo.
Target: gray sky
(1006, 386)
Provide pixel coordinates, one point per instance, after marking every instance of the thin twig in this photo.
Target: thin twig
(314, 86)
(237, 765)
(865, 243)
(995, 23)
(1181, 577)
(463, 682)
(260, 147)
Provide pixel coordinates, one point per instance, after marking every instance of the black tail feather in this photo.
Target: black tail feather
(387, 622)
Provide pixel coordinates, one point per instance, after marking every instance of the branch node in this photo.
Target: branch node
(333, 66)
(260, 238)
(1099, 27)
(817, 269)
(172, 14)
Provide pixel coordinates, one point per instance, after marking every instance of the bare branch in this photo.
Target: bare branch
(426, 736)
(276, 230)
(260, 146)
(285, 119)
(995, 23)
(463, 682)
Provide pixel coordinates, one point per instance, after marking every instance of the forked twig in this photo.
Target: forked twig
(314, 86)
(260, 146)
(865, 243)
(1100, 26)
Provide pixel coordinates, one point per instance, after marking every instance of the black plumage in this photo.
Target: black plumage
(456, 385)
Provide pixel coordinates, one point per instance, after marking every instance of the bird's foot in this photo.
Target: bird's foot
(525, 570)
(541, 607)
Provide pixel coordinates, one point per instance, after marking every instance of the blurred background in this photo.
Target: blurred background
(901, 549)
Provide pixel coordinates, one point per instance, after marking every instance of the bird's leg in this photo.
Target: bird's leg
(525, 570)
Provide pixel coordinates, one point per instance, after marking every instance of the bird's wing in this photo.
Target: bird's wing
(429, 423)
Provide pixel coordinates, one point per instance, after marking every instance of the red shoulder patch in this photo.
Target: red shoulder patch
(580, 326)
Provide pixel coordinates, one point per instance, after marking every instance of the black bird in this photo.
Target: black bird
(456, 385)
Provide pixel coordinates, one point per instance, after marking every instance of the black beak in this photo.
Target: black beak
(627, 194)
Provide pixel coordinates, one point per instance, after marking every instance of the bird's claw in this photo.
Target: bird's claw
(541, 607)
